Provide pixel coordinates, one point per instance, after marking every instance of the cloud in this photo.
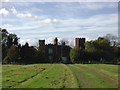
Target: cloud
(49, 40)
(96, 20)
(28, 15)
(50, 21)
(90, 28)
(96, 6)
(14, 28)
(62, 1)
(72, 24)
(83, 7)
(13, 11)
(4, 11)
(4, 1)
(22, 15)
(32, 42)
(7, 25)
(55, 26)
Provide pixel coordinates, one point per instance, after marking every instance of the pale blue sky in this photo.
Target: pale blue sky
(47, 20)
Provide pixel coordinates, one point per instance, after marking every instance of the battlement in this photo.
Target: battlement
(79, 42)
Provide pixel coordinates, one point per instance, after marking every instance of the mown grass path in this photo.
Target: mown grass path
(89, 76)
(60, 76)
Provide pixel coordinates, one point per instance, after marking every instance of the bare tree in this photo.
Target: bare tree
(112, 39)
(64, 41)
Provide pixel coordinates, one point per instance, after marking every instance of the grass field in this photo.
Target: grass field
(60, 76)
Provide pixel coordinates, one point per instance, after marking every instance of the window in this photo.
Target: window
(50, 57)
(50, 50)
(64, 58)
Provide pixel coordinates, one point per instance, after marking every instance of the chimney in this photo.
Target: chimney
(41, 43)
(55, 41)
(77, 42)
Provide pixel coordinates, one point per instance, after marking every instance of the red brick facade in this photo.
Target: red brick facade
(79, 42)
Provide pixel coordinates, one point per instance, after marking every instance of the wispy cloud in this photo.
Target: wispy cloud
(89, 28)
(88, 5)
(94, 22)
(28, 15)
(61, 0)
(50, 21)
(13, 28)
(22, 15)
(97, 6)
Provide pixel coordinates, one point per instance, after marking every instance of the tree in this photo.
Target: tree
(0, 45)
(27, 54)
(4, 33)
(40, 55)
(15, 42)
(112, 39)
(7, 41)
(12, 55)
(64, 42)
(99, 49)
(24, 52)
(12, 40)
(77, 55)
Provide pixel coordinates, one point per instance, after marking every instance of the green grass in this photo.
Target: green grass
(93, 77)
(60, 76)
(55, 77)
(17, 75)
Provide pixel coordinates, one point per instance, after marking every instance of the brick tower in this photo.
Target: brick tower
(79, 42)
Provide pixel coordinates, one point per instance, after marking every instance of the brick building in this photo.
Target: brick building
(59, 53)
(54, 52)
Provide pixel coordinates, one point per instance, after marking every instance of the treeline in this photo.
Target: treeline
(14, 52)
(102, 50)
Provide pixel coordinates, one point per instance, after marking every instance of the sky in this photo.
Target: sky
(32, 21)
